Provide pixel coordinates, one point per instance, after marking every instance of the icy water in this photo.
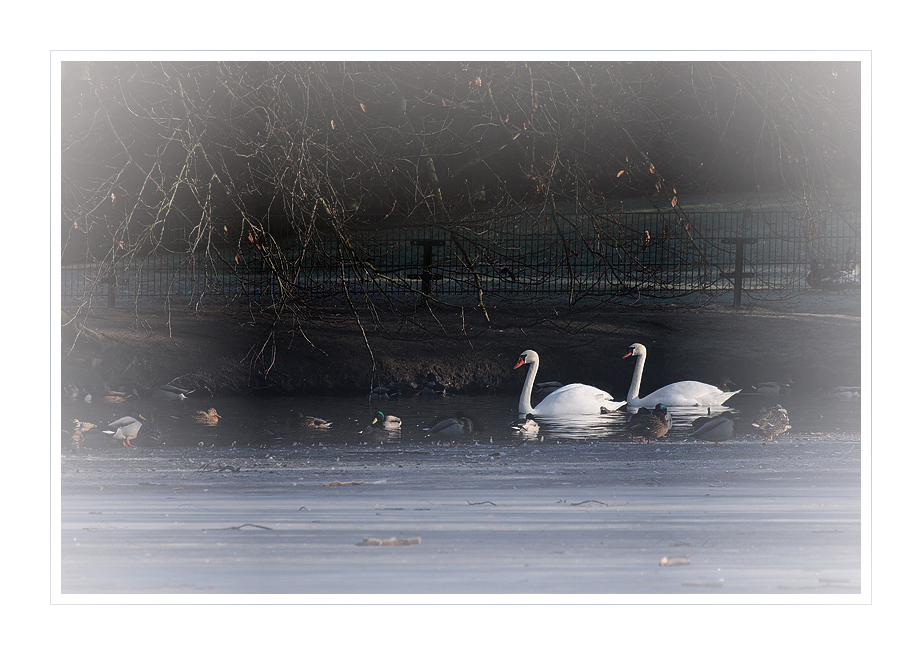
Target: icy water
(256, 505)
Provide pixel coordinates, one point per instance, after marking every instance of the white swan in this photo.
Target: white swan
(678, 394)
(569, 400)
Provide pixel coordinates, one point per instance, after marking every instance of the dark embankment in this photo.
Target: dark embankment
(222, 352)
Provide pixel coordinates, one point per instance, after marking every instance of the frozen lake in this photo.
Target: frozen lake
(203, 514)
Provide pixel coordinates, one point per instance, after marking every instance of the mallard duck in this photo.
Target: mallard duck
(80, 427)
(819, 272)
(542, 389)
(527, 426)
(398, 390)
(726, 384)
(83, 426)
(852, 263)
(650, 424)
(841, 280)
(111, 396)
(383, 428)
(713, 428)
(772, 422)
(830, 277)
(209, 417)
(432, 387)
(453, 427)
(773, 388)
(379, 392)
(386, 422)
(169, 392)
(267, 435)
(848, 277)
(310, 422)
(125, 429)
(843, 393)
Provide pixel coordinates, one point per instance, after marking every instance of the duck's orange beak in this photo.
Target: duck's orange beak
(521, 361)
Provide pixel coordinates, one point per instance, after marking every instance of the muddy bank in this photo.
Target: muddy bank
(223, 352)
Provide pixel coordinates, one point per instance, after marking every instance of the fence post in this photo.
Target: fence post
(112, 285)
(738, 275)
(426, 276)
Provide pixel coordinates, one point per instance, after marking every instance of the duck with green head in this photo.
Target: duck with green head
(650, 424)
(386, 421)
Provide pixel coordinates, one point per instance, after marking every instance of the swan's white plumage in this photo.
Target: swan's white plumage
(569, 400)
(678, 394)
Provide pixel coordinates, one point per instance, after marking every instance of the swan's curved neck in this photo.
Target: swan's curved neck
(634, 392)
(525, 399)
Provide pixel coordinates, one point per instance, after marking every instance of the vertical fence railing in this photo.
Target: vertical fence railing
(564, 256)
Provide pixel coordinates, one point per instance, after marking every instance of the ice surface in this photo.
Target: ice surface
(543, 518)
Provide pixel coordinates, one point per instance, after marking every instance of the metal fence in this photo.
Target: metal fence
(559, 256)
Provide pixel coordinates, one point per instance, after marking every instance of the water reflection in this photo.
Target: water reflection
(267, 422)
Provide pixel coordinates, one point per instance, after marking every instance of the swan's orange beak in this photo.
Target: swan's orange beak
(521, 361)
(629, 353)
